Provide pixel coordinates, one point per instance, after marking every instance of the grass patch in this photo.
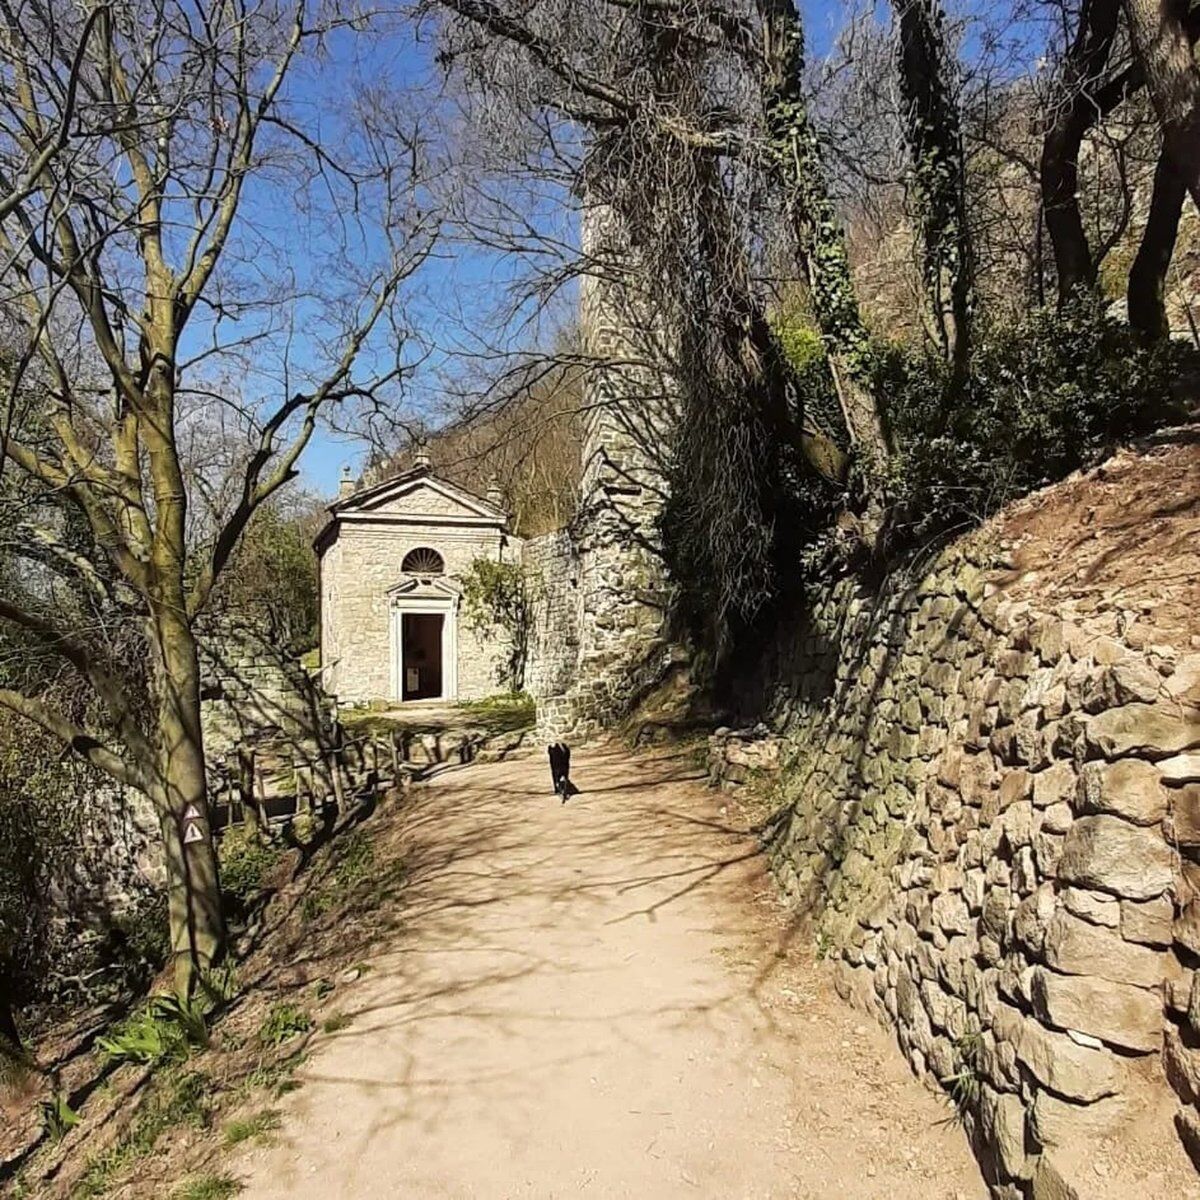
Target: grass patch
(276, 1077)
(257, 1127)
(282, 1023)
(180, 1100)
(504, 713)
(207, 1187)
(163, 1031)
(335, 1023)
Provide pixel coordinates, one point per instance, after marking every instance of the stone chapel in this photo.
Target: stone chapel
(391, 558)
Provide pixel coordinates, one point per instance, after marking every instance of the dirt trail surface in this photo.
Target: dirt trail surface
(601, 999)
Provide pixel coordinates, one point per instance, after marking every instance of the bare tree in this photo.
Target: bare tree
(142, 264)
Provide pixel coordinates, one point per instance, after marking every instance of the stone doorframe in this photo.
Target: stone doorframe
(431, 597)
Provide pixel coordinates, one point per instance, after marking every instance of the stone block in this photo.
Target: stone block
(1111, 855)
(1185, 814)
(1003, 1123)
(1121, 1015)
(1186, 929)
(1181, 768)
(1181, 1063)
(1130, 788)
(1077, 947)
(1057, 1122)
(1054, 1060)
(1147, 922)
(1187, 1125)
(1096, 907)
(1145, 730)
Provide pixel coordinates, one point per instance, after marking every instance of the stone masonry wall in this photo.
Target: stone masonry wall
(621, 594)
(552, 569)
(992, 816)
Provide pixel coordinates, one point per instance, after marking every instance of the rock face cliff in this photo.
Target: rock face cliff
(988, 776)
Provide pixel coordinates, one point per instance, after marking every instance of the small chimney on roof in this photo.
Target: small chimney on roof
(495, 497)
(347, 484)
(421, 459)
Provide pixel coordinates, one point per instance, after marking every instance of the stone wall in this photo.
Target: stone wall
(620, 591)
(991, 815)
(552, 569)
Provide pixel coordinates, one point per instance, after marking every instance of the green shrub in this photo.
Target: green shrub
(355, 860)
(1043, 397)
(162, 1031)
(283, 1022)
(500, 596)
(58, 1117)
(247, 864)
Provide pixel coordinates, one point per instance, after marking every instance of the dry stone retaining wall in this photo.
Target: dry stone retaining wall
(993, 816)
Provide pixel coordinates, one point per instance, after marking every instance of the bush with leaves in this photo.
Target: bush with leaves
(1043, 397)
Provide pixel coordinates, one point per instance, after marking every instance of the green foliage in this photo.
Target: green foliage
(499, 596)
(255, 1127)
(283, 1022)
(181, 1100)
(963, 1084)
(162, 1031)
(58, 1117)
(355, 860)
(335, 1023)
(1043, 397)
(207, 1187)
(271, 582)
(247, 863)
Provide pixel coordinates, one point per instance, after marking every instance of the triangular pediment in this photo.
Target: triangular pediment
(434, 586)
(417, 496)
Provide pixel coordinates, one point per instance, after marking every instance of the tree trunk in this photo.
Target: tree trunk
(1074, 114)
(198, 935)
(933, 132)
(1164, 47)
(1148, 276)
(795, 158)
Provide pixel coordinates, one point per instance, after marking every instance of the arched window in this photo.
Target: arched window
(423, 561)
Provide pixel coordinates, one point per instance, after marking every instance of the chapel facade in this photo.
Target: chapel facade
(391, 560)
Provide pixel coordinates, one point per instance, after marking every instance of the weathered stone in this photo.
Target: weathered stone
(1032, 917)
(1003, 1123)
(1123, 683)
(1077, 947)
(1015, 785)
(1110, 855)
(1152, 731)
(1129, 1017)
(1185, 814)
(1055, 784)
(1181, 768)
(1017, 823)
(950, 913)
(1187, 1125)
(1058, 818)
(1181, 1064)
(1129, 788)
(1096, 907)
(1056, 1122)
(1186, 929)
(1074, 1071)
(1147, 922)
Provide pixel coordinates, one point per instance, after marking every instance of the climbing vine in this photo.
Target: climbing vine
(498, 597)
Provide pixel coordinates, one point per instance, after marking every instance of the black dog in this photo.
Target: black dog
(560, 770)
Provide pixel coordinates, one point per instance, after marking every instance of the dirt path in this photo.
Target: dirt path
(600, 1000)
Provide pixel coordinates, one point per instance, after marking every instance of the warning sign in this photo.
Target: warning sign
(192, 834)
(192, 814)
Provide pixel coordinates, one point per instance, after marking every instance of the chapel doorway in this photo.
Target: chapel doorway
(421, 665)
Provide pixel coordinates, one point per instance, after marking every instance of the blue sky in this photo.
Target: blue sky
(462, 291)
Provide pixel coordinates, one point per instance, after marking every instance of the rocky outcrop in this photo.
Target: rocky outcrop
(992, 817)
